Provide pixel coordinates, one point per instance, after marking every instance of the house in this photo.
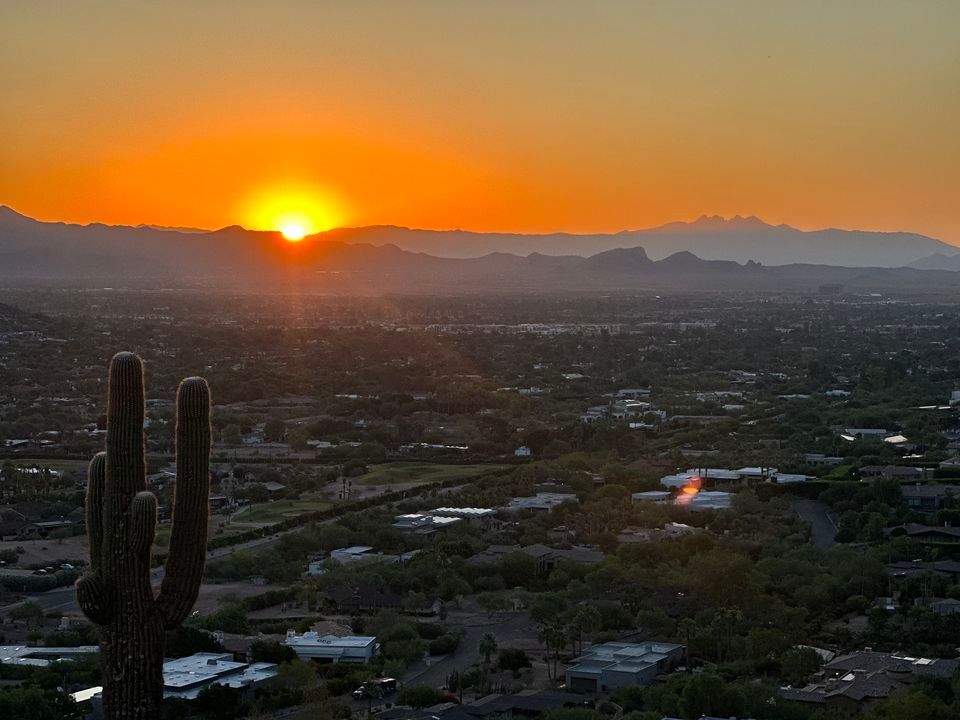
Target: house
(185, 677)
(42, 656)
(658, 497)
(12, 523)
(423, 524)
(470, 514)
(944, 606)
(364, 553)
(354, 553)
(866, 433)
(546, 558)
(619, 664)
(787, 478)
(929, 497)
(522, 451)
(908, 568)
(706, 500)
(541, 502)
(756, 474)
(640, 393)
(852, 681)
(821, 459)
(332, 648)
(890, 472)
(927, 533)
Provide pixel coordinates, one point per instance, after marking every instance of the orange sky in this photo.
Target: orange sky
(496, 115)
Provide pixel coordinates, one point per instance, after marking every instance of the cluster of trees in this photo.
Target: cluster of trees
(43, 693)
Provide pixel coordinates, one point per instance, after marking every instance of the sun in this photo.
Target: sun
(293, 231)
(294, 211)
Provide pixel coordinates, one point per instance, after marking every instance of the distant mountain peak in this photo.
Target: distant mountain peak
(737, 222)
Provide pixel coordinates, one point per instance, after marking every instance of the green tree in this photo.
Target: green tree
(28, 611)
(488, 646)
(513, 659)
(231, 435)
(297, 439)
(219, 702)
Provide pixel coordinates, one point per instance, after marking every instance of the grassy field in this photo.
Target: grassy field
(274, 512)
(421, 473)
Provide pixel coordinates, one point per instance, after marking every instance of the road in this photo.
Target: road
(505, 628)
(822, 528)
(63, 600)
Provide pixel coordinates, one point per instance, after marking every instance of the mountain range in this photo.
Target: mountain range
(358, 259)
(740, 239)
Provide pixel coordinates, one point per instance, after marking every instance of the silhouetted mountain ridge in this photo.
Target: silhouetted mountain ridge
(59, 253)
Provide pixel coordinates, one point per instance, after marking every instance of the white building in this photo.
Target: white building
(619, 664)
(422, 523)
(184, 678)
(42, 656)
(706, 500)
(786, 478)
(352, 648)
(472, 515)
(522, 451)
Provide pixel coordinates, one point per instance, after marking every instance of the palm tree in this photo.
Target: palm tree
(553, 636)
(585, 619)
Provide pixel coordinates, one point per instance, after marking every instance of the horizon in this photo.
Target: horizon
(624, 231)
(578, 120)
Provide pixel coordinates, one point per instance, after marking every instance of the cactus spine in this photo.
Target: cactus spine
(117, 593)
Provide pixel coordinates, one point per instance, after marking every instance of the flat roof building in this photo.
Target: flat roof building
(42, 656)
(185, 677)
(660, 497)
(619, 664)
(542, 501)
(352, 648)
(423, 524)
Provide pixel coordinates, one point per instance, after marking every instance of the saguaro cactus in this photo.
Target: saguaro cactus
(117, 593)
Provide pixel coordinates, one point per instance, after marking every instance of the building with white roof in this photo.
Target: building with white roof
(352, 648)
(42, 656)
(542, 501)
(619, 664)
(467, 513)
(185, 677)
(706, 500)
(423, 524)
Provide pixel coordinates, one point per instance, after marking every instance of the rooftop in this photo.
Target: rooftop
(315, 639)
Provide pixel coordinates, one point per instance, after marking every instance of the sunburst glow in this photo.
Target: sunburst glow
(293, 231)
(294, 212)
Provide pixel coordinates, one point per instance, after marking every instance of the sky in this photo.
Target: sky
(534, 116)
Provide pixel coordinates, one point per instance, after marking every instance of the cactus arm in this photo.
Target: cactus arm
(93, 599)
(96, 480)
(125, 472)
(188, 540)
(143, 519)
(125, 411)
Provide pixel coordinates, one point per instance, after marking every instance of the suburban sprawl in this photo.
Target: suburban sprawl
(622, 506)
